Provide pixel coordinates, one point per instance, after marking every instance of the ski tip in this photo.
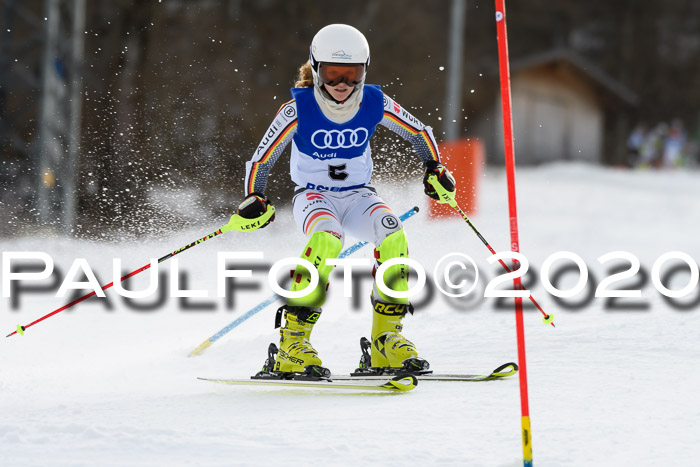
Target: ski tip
(401, 383)
(504, 370)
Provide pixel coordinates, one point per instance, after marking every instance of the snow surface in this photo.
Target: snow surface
(99, 386)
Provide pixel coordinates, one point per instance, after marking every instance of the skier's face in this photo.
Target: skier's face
(340, 91)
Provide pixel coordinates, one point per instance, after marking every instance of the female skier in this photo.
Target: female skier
(329, 122)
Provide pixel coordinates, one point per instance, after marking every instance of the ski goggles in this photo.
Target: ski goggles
(333, 74)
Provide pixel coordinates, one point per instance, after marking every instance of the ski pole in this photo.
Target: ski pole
(236, 222)
(546, 318)
(273, 298)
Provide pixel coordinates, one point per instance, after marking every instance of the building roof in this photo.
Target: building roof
(591, 71)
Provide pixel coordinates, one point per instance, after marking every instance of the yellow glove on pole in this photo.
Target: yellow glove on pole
(242, 224)
(446, 197)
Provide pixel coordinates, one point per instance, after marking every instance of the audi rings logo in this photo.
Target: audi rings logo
(337, 139)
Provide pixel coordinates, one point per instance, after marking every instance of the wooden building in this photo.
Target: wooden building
(564, 108)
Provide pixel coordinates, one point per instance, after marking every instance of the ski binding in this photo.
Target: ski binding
(419, 368)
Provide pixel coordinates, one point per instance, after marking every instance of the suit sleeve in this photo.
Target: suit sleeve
(276, 139)
(401, 122)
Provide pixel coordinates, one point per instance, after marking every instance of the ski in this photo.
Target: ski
(399, 383)
(503, 371)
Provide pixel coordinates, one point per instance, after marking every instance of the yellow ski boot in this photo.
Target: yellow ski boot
(390, 349)
(296, 354)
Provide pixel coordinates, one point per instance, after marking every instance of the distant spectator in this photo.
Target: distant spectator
(652, 148)
(674, 145)
(635, 142)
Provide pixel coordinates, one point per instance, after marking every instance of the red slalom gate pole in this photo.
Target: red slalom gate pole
(513, 212)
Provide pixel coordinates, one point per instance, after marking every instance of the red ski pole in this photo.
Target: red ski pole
(235, 223)
(546, 318)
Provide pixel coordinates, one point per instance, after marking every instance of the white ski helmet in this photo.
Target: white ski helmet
(339, 44)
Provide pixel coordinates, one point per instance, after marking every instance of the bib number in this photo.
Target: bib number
(336, 172)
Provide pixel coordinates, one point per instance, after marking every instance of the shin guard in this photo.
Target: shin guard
(395, 277)
(321, 246)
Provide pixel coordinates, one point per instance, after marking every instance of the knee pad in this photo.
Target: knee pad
(396, 276)
(385, 225)
(320, 247)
